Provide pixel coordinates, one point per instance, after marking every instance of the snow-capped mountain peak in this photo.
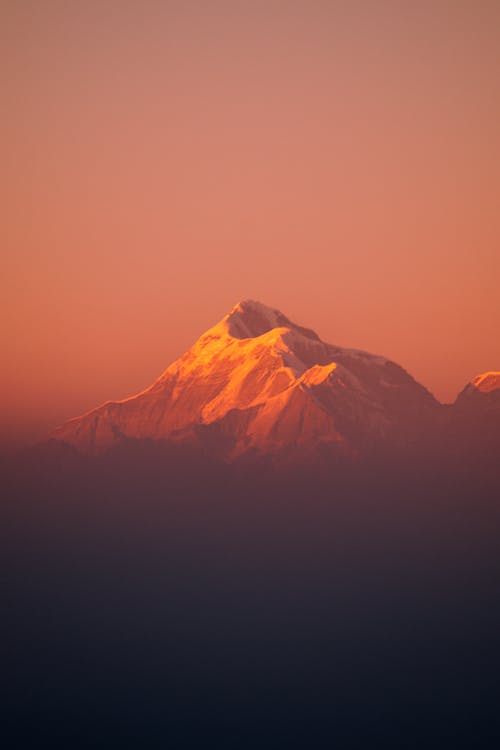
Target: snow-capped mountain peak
(251, 319)
(261, 382)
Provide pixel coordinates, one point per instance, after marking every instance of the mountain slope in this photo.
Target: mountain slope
(257, 381)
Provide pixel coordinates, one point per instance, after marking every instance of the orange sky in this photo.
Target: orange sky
(162, 160)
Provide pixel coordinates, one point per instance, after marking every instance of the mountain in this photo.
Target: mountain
(258, 382)
(473, 422)
(482, 394)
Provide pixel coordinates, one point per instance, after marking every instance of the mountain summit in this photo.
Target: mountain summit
(258, 382)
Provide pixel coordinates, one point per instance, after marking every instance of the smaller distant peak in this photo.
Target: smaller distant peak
(486, 382)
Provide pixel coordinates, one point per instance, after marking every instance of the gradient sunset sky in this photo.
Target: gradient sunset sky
(163, 160)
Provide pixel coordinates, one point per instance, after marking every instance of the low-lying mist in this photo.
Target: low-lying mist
(157, 595)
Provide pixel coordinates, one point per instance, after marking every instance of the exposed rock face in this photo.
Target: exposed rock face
(258, 382)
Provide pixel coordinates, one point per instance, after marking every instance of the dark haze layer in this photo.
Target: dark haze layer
(157, 596)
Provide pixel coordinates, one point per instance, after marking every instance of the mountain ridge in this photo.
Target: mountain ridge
(263, 383)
